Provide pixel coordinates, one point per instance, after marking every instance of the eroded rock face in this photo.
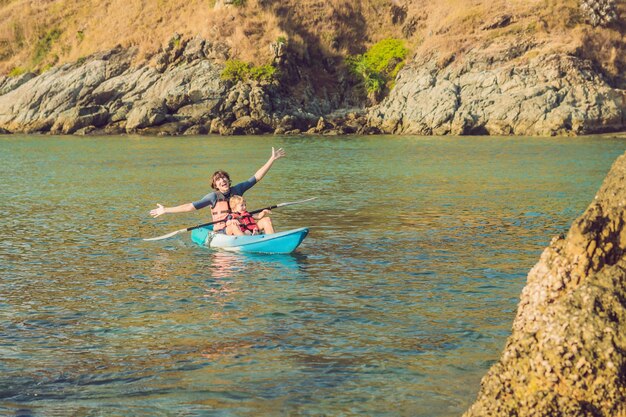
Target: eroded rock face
(567, 353)
(551, 95)
(11, 83)
(182, 91)
(484, 94)
(64, 99)
(35, 106)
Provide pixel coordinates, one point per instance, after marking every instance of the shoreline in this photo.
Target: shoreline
(621, 134)
(105, 94)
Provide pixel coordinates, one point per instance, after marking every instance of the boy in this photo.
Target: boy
(240, 222)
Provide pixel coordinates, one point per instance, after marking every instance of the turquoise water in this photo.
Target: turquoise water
(396, 304)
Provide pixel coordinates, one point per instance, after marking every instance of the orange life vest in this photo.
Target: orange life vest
(246, 221)
(220, 211)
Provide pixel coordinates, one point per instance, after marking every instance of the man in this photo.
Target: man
(218, 199)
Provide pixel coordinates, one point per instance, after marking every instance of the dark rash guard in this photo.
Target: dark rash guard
(211, 198)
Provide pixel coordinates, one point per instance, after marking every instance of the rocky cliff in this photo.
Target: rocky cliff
(182, 94)
(550, 95)
(567, 353)
(489, 67)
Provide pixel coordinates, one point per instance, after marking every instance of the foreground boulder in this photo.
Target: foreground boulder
(567, 353)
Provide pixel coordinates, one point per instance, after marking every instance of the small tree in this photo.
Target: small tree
(236, 71)
(378, 66)
(266, 73)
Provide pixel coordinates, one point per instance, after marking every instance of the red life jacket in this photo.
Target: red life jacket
(220, 211)
(246, 221)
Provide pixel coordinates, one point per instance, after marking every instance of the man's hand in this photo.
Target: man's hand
(277, 154)
(157, 211)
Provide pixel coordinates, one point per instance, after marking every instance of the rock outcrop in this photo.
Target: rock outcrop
(567, 353)
(182, 93)
(11, 83)
(550, 95)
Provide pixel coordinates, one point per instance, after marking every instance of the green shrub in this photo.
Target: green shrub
(17, 71)
(379, 65)
(44, 44)
(236, 70)
(45, 68)
(18, 33)
(239, 3)
(265, 73)
(174, 42)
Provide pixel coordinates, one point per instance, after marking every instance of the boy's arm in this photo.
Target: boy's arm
(262, 214)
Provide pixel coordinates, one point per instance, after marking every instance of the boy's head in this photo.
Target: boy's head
(237, 203)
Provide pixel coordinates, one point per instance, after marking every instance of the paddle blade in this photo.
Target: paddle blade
(166, 236)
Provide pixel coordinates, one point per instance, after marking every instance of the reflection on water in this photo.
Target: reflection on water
(397, 302)
(224, 264)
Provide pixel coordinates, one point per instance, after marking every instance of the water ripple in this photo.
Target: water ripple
(397, 303)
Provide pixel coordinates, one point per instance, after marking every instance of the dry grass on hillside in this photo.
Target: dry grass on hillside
(38, 33)
(460, 26)
(607, 48)
(454, 28)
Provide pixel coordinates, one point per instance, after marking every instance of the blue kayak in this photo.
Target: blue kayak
(281, 242)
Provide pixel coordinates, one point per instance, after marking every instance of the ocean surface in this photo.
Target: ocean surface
(396, 304)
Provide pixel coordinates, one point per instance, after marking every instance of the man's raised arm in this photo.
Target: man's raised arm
(276, 154)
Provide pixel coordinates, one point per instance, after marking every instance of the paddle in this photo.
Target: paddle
(220, 221)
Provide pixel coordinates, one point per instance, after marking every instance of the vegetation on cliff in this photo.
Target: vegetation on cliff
(35, 35)
(379, 65)
(236, 70)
